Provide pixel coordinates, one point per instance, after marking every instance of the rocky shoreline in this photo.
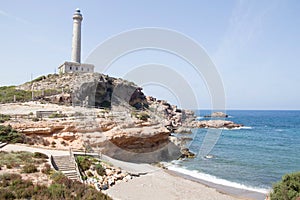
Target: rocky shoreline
(95, 111)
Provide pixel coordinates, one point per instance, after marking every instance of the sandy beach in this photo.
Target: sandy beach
(158, 183)
(162, 185)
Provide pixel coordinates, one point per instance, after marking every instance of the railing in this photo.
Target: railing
(53, 163)
(73, 159)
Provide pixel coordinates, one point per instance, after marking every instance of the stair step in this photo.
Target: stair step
(66, 165)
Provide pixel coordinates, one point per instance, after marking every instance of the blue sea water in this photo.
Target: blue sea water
(253, 157)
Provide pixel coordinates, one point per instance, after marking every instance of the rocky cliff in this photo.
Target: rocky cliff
(86, 89)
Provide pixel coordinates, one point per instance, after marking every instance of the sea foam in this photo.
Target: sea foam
(215, 180)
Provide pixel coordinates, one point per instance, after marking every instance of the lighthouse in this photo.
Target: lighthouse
(76, 37)
(75, 65)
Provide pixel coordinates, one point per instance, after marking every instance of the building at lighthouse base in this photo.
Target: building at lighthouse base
(72, 67)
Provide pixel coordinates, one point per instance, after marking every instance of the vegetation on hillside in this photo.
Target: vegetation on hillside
(9, 135)
(84, 162)
(27, 160)
(12, 186)
(288, 188)
(7, 94)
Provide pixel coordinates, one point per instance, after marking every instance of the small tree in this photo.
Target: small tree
(288, 188)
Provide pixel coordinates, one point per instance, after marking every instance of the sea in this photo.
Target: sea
(252, 157)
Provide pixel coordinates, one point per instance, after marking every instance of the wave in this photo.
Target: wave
(215, 180)
(238, 128)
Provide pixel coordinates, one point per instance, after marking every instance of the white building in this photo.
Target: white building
(71, 67)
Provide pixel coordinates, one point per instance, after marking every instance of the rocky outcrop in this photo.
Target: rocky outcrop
(171, 116)
(147, 144)
(86, 89)
(215, 124)
(217, 115)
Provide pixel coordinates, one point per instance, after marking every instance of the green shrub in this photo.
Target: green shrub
(288, 188)
(12, 186)
(4, 118)
(57, 176)
(35, 119)
(40, 155)
(57, 191)
(100, 169)
(6, 194)
(89, 174)
(84, 162)
(57, 115)
(29, 168)
(9, 135)
(63, 143)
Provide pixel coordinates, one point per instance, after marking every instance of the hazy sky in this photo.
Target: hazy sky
(254, 44)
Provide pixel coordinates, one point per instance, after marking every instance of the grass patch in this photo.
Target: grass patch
(15, 159)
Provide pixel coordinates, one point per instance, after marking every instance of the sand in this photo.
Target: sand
(161, 185)
(156, 183)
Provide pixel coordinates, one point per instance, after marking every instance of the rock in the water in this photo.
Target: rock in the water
(186, 153)
(215, 124)
(217, 114)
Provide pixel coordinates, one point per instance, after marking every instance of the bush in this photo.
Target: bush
(6, 194)
(84, 162)
(12, 186)
(89, 174)
(63, 143)
(46, 169)
(35, 119)
(57, 176)
(100, 169)
(4, 118)
(57, 191)
(288, 188)
(9, 135)
(40, 155)
(57, 115)
(29, 168)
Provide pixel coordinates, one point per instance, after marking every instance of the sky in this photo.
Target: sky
(255, 45)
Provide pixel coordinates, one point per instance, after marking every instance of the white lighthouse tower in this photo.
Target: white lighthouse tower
(76, 38)
(75, 65)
